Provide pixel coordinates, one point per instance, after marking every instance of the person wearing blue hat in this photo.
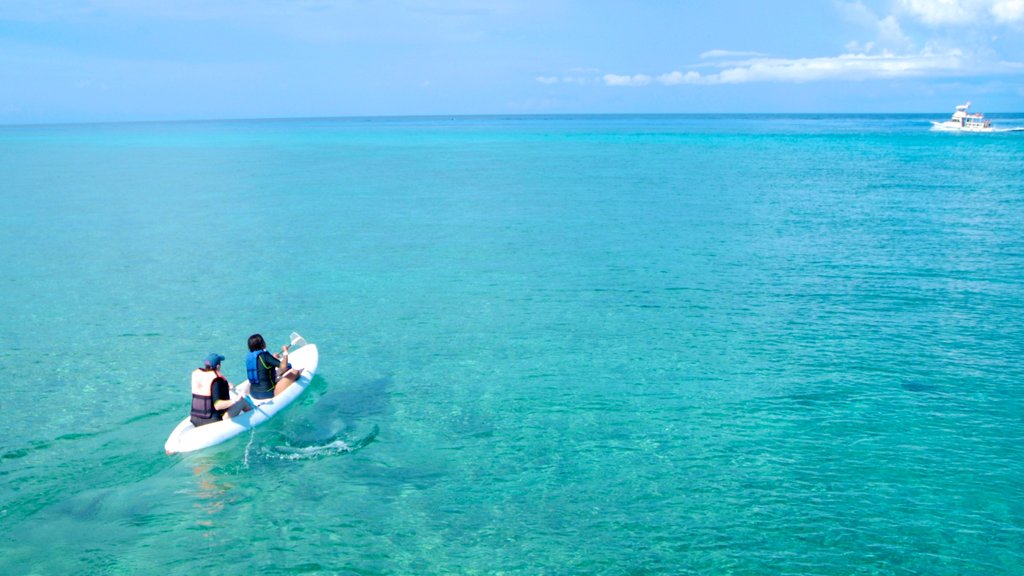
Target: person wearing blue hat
(211, 398)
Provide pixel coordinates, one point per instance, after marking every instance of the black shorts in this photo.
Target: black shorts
(197, 422)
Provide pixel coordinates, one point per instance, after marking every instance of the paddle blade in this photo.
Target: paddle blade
(297, 340)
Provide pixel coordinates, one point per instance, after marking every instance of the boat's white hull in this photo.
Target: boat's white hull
(956, 127)
(186, 438)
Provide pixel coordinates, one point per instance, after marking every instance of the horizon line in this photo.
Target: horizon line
(372, 117)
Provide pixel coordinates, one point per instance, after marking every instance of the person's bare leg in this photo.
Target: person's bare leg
(287, 380)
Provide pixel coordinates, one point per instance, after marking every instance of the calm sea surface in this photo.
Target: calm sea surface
(741, 345)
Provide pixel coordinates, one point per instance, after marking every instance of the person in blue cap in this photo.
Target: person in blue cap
(211, 400)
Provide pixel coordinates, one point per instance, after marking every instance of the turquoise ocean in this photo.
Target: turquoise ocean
(738, 344)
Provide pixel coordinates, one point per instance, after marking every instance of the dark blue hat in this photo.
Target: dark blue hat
(213, 360)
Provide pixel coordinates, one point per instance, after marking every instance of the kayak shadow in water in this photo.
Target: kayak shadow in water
(353, 401)
(325, 425)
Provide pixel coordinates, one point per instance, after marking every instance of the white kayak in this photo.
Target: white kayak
(186, 437)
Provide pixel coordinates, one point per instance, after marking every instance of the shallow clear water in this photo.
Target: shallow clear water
(549, 345)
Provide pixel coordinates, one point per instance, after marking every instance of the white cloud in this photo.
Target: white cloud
(547, 79)
(842, 67)
(892, 53)
(850, 67)
(1009, 11)
(634, 80)
(677, 77)
(964, 12)
(888, 34)
(888, 52)
(937, 11)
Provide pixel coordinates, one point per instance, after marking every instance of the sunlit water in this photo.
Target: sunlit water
(548, 345)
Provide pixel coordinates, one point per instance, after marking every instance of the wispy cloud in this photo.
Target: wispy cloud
(851, 67)
(843, 67)
(579, 76)
(634, 80)
(887, 32)
(964, 12)
(889, 52)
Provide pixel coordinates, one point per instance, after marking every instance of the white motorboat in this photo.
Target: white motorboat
(964, 121)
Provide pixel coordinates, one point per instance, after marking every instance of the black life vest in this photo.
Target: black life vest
(202, 394)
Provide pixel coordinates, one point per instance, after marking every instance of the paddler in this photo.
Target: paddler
(266, 376)
(211, 400)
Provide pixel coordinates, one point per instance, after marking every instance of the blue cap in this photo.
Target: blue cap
(213, 360)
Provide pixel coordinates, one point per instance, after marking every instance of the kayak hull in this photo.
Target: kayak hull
(188, 438)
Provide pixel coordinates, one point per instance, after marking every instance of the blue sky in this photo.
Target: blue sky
(109, 60)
